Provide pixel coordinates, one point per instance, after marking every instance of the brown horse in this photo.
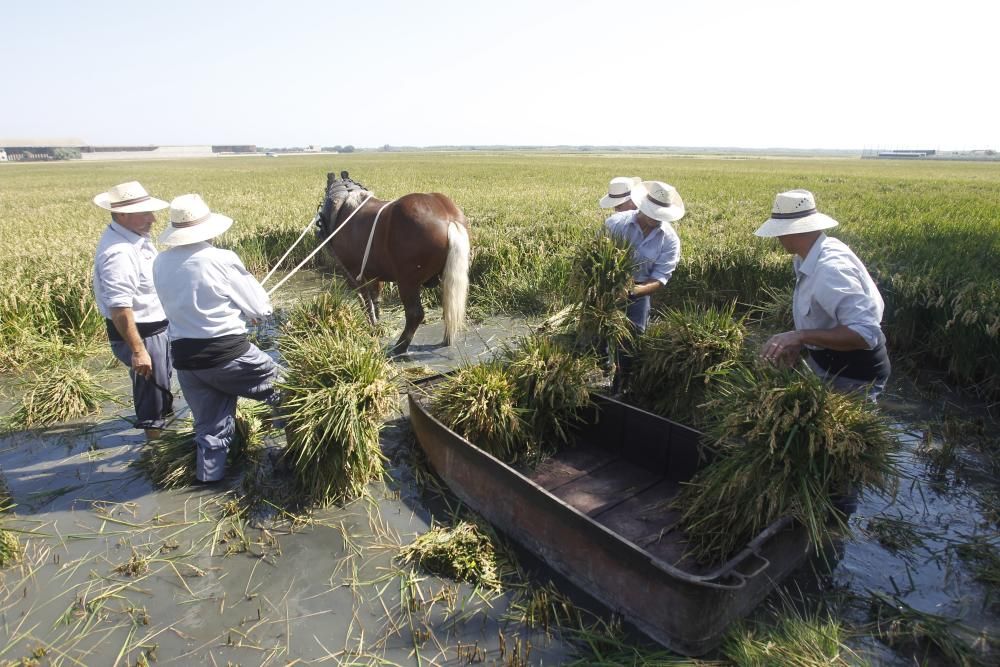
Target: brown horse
(418, 239)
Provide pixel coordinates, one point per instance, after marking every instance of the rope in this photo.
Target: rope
(371, 237)
(289, 251)
(319, 247)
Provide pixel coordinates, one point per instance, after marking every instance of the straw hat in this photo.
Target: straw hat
(191, 221)
(794, 212)
(619, 190)
(129, 198)
(658, 200)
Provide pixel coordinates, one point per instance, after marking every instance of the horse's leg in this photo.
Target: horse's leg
(376, 297)
(410, 295)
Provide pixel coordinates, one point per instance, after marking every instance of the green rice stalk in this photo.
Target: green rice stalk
(785, 443)
(552, 385)
(983, 557)
(10, 548)
(794, 640)
(335, 311)
(481, 403)
(907, 629)
(776, 309)
(63, 392)
(462, 553)
(679, 355)
(604, 267)
(337, 391)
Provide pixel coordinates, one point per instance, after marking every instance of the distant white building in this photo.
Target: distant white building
(3, 155)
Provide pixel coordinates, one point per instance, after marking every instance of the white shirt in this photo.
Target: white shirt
(656, 254)
(207, 292)
(833, 288)
(123, 274)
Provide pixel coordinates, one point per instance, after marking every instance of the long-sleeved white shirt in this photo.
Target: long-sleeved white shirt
(834, 288)
(123, 274)
(207, 292)
(656, 254)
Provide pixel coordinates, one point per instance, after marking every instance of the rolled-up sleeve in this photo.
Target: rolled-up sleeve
(841, 293)
(119, 278)
(248, 294)
(668, 258)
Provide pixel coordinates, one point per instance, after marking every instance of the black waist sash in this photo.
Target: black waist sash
(861, 365)
(191, 354)
(146, 329)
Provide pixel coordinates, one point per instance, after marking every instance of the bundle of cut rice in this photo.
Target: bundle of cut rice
(60, 393)
(785, 444)
(678, 356)
(604, 267)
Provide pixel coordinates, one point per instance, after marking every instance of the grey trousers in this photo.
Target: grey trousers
(152, 399)
(211, 394)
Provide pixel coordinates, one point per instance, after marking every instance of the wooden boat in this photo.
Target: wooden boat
(598, 513)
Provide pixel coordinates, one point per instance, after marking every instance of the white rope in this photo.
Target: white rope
(319, 247)
(289, 251)
(368, 248)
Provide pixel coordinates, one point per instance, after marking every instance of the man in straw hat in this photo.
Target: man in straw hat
(836, 306)
(656, 249)
(123, 289)
(619, 195)
(209, 297)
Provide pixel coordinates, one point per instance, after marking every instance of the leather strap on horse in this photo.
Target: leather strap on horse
(371, 237)
(320, 246)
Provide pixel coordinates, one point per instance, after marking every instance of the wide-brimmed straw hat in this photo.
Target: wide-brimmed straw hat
(794, 212)
(619, 190)
(658, 201)
(129, 197)
(191, 221)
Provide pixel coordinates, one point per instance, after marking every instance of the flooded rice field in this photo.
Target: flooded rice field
(116, 572)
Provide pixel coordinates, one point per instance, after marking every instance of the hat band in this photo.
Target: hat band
(626, 194)
(657, 201)
(129, 202)
(191, 223)
(792, 216)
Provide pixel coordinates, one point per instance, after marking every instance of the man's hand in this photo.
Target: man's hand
(142, 364)
(783, 349)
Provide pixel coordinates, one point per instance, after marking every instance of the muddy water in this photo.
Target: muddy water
(115, 569)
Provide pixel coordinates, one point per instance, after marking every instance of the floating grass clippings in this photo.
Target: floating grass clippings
(462, 552)
(909, 630)
(785, 444)
(679, 354)
(337, 391)
(603, 277)
(982, 555)
(60, 393)
(893, 534)
(480, 403)
(552, 385)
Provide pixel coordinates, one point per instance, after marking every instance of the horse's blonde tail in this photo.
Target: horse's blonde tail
(455, 282)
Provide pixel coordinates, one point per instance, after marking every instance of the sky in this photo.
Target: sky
(756, 74)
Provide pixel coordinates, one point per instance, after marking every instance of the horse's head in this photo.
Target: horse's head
(338, 190)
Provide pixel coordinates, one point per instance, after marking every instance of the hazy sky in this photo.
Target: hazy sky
(835, 74)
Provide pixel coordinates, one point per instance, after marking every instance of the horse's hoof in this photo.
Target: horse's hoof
(397, 352)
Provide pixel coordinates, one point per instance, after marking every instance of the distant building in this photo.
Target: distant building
(3, 155)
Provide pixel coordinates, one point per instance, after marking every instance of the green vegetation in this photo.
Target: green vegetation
(927, 231)
(679, 354)
(785, 445)
(462, 552)
(60, 392)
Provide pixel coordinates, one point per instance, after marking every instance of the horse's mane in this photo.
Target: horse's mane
(345, 192)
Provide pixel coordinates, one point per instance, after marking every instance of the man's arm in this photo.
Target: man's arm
(124, 322)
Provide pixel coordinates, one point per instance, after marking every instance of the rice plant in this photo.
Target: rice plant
(785, 444)
(678, 356)
(552, 386)
(603, 268)
(57, 394)
(793, 640)
(462, 552)
(10, 548)
(337, 310)
(481, 403)
(337, 391)
(982, 555)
